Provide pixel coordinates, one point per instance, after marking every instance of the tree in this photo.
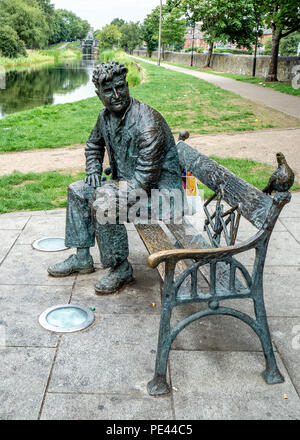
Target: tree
(118, 22)
(67, 26)
(221, 20)
(131, 35)
(48, 10)
(283, 17)
(27, 19)
(289, 45)
(10, 44)
(148, 33)
(173, 27)
(268, 46)
(109, 36)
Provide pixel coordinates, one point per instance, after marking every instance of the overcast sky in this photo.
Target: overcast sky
(101, 12)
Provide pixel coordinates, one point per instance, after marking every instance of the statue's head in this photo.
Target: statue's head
(111, 86)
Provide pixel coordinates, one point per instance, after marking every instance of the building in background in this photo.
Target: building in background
(199, 41)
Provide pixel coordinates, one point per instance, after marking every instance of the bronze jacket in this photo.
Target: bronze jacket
(140, 147)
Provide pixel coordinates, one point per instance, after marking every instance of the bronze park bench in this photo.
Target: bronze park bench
(198, 268)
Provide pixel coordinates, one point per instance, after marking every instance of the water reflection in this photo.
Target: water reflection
(51, 84)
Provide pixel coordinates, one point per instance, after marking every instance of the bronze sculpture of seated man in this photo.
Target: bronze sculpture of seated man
(142, 153)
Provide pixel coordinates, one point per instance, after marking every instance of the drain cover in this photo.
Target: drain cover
(66, 318)
(50, 244)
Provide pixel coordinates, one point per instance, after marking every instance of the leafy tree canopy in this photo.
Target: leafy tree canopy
(11, 45)
(222, 20)
(289, 45)
(173, 27)
(37, 23)
(27, 19)
(109, 36)
(131, 35)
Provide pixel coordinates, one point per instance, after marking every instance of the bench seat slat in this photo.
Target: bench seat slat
(155, 240)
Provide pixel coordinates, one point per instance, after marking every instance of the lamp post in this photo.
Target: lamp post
(257, 16)
(193, 41)
(159, 34)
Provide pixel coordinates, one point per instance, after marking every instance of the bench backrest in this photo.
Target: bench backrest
(254, 205)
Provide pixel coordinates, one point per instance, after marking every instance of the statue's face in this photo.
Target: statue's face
(114, 94)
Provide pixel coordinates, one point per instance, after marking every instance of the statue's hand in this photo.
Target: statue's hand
(93, 180)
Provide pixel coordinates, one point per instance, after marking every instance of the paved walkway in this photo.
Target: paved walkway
(283, 102)
(101, 373)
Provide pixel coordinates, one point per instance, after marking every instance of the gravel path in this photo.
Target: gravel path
(258, 145)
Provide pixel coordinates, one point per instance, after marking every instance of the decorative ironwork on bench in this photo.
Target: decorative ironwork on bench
(220, 221)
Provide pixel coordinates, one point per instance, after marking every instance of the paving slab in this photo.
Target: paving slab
(228, 386)
(115, 355)
(8, 221)
(24, 374)
(105, 407)
(102, 372)
(21, 307)
(222, 333)
(286, 336)
(44, 226)
(282, 291)
(7, 239)
(140, 297)
(293, 226)
(283, 249)
(292, 210)
(25, 265)
(137, 251)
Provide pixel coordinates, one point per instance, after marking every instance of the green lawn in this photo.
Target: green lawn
(184, 101)
(45, 191)
(34, 191)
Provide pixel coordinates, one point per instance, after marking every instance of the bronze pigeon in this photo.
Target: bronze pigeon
(282, 179)
(183, 135)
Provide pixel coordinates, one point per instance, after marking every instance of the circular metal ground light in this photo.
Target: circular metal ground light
(50, 244)
(66, 318)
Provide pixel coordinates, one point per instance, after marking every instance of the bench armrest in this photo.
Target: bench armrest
(203, 254)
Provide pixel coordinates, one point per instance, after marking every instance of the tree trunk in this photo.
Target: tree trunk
(209, 55)
(272, 73)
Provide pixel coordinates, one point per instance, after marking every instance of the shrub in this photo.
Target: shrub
(268, 46)
(11, 45)
(135, 74)
(289, 45)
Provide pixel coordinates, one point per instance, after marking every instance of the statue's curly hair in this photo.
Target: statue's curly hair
(106, 71)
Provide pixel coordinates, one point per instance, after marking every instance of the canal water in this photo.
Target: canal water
(69, 81)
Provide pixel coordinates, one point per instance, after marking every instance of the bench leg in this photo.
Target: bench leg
(271, 374)
(159, 385)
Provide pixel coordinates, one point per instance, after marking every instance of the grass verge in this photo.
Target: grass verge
(184, 101)
(50, 55)
(34, 191)
(46, 191)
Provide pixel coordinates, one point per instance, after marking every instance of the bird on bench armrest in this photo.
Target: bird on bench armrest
(282, 179)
